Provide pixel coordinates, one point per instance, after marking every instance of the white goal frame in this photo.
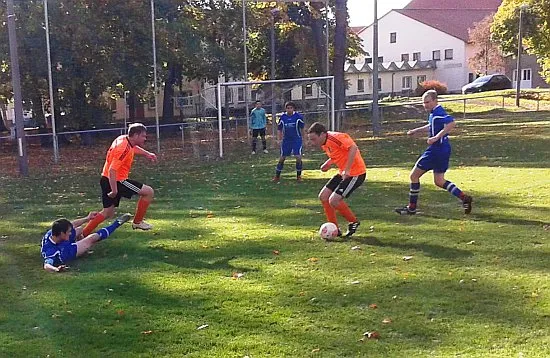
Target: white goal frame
(219, 105)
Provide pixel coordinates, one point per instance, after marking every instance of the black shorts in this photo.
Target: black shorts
(126, 188)
(345, 187)
(258, 132)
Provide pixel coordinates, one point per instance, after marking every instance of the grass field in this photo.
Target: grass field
(235, 252)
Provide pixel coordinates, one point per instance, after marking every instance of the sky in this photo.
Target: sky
(361, 11)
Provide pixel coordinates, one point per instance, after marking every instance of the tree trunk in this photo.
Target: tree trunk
(340, 50)
(171, 80)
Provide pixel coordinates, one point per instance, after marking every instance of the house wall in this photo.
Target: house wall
(527, 61)
(414, 36)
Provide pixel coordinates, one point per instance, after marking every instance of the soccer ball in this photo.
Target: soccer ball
(328, 231)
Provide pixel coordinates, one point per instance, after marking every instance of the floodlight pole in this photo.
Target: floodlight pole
(17, 97)
(518, 66)
(155, 72)
(375, 108)
(125, 112)
(50, 84)
(274, 12)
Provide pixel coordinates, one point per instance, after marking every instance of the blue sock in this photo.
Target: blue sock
(279, 169)
(299, 168)
(413, 195)
(106, 231)
(453, 189)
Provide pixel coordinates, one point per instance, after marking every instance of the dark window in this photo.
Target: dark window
(416, 56)
(449, 54)
(405, 57)
(379, 84)
(436, 55)
(360, 85)
(393, 37)
(309, 90)
(381, 59)
(420, 78)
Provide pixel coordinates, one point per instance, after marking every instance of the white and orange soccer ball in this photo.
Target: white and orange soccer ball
(328, 231)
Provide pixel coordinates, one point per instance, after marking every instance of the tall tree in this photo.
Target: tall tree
(340, 51)
(487, 55)
(535, 30)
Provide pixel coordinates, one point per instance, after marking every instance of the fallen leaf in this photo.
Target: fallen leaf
(237, 275)
(407, 258)
(120, 312)
(355, 282)
(546, 227)
(373, 306)
(372, 335)
(356, 248)
(210, 215)
(313, 259)
(471, 242)
(276, 252)
(386, 320)
(146, 332)
(202, 327)
(315, 350)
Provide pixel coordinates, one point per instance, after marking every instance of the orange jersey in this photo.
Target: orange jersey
(337, 148)
(119, 157)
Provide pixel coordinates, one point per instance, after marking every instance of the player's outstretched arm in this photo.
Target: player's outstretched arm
(326, 165)
(51, 268)
(446, 130)
(419, 129)
(149, 155)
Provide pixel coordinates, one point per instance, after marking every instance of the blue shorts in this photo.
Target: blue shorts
(436, 159)
(293, 147)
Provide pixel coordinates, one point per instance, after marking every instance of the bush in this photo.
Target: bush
(422, 87)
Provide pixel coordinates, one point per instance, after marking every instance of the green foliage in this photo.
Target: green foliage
(536, 29)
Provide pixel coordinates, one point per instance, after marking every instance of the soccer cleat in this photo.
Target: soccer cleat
(339, 233)
(276, 179)
(405, 211)
(123, 218)
(253, 152)
(299, 179)
(352, 228)
(266, 151)
(142, 226)
(467, 204)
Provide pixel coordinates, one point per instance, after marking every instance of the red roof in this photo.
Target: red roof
(454, 4)
(357, 29)
(453, 17)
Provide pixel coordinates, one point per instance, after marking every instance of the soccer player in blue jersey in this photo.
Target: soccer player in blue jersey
(60, 245)
(436, 157)
(290, 130)
(258, 121)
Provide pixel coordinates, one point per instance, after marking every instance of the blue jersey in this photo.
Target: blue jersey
(257, 118)
(291, 126)
(437, 120)
(58, 254)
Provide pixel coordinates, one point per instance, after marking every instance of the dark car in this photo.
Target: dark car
(488, 83)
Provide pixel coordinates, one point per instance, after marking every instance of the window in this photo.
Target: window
(420, 79)
(361, 85)
(368, 60)
(406, 82)
(449, 54)
(380, 59)
(379, 84)
(416, 56)
(228, 95)
(308, 90)
(526, 74)
(405, 57)
(151, 103)
(436, 55)
(471, 77)
(514, 75)
(113, 104)
(393, 37)
(240, 94)
(185, 99)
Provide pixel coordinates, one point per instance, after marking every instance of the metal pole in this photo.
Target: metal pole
(220, 126)
(518, 67)
(50, 83)
(332, 103)
(17, 97)
(273, 109)
(245, 40)
(327, 72)
(155, 72)
(375, 108)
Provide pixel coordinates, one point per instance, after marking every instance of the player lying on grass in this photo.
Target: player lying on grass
(60, 245)
(352, 171)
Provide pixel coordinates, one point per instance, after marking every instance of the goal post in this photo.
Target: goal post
(313, 96)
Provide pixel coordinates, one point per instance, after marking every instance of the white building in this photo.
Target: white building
(427, 40)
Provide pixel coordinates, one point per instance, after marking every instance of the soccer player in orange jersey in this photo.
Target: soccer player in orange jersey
(342, 152)
(114, 178)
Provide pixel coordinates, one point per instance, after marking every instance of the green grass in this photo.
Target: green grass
(476, 286)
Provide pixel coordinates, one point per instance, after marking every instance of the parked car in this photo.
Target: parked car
(488, 83)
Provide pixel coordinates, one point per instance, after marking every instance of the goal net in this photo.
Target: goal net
(313, 98)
